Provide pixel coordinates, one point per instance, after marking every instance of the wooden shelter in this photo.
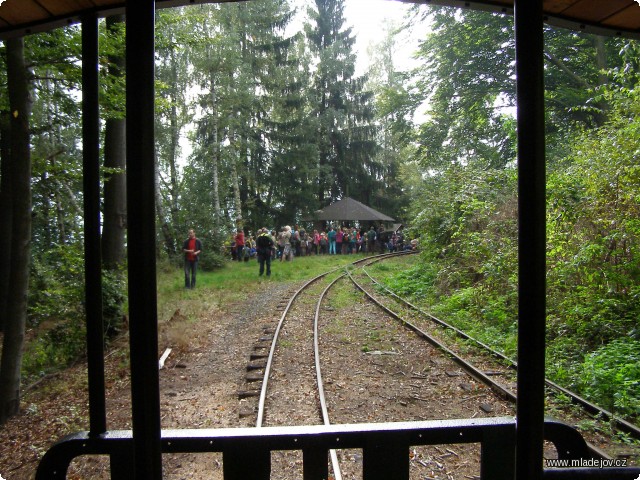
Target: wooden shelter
(138, 453)
(350, 209)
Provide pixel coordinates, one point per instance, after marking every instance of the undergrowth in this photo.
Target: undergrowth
(607, 374)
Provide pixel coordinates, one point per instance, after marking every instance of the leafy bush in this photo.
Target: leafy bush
(57, 307)
(57, 284)
(210, 261)
(57, 347)
(114, 295)
(414, 281)
(611, 376)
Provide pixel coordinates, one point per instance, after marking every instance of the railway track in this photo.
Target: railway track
(504, 361)
(307, 380)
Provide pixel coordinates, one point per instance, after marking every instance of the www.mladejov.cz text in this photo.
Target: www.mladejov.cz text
(586, 462)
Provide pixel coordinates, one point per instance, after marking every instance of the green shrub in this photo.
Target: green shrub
(56, 348)
(210, 261)
(56, 284)
(56, 308)
(114, 296)
(611, 376)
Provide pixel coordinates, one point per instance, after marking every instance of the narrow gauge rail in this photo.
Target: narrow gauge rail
(591, 408)
(323, 417)
(488, 351)
(300, 394)
(475, 372)
(290, 384)
(294, 297)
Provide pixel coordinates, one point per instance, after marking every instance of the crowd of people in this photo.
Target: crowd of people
(294, 241)
(291, 242)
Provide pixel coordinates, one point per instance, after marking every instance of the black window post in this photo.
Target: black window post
(92, 253)
(531, 239)
(143, 325)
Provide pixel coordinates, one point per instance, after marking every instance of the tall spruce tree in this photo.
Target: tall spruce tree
(346, 143)
(250, 80)
(281, 169)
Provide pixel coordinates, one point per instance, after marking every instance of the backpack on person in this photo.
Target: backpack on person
(264, 243)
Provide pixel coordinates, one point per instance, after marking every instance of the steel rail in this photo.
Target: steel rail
(590, 407)
(510, 362)
(323, 403)
(468, 367)
(274, 342)
(335, 464)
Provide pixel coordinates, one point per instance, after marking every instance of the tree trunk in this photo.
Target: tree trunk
(215, 187)
(215, 157)
(5, 214)
(115, 210)
(235, 182)
(20, 106)
(115, 196)
(168, 227)
(601, 61)
(236, 190)
(169, 240)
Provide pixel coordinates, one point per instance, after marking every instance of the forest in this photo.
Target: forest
(262, 119)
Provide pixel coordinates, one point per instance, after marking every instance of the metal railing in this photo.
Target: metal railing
(385, 448)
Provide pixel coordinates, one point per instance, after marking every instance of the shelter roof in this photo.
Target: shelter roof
(610, 17)
(350, 209)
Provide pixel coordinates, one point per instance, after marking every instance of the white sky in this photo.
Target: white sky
(369, 19)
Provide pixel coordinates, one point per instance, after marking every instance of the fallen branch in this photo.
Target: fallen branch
(464, 399)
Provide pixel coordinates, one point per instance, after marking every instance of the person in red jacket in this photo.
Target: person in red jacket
(191, 248)
(240, 244)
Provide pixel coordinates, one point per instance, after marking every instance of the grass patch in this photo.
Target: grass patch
(180, 310)
(342, 297)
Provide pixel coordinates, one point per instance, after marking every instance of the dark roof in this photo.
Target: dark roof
(350, 209)
(608, 17)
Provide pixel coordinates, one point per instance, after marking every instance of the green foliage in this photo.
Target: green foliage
(211, 261)
(113, 80)
(468, 75)
(467, 224)
(343, 111)
(610, 376)
(469, 60)
(416, 281)
(211, 257)
(56, 308)
(114, 296)
(55, 349)
(465, 215)
(57, 285)
(593, 234)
